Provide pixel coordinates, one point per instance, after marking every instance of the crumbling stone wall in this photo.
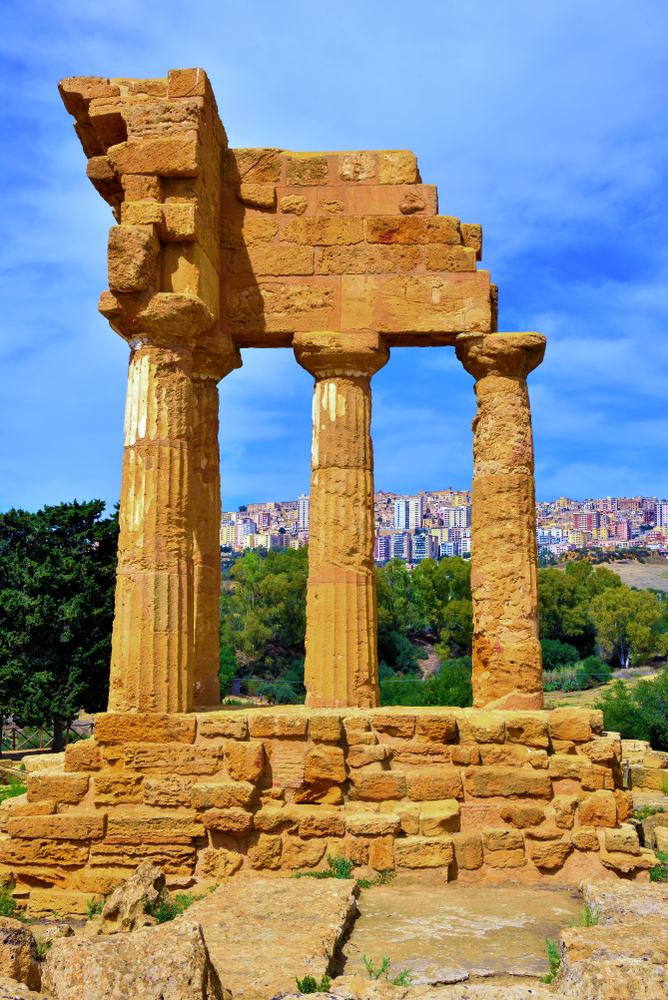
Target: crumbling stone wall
(480, 795)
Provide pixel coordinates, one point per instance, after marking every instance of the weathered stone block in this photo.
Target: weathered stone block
(522, 816)
(624, 800)
(265, 851)
(600, 809)
(324, 765)
(356, 849)
(506, 859)
(585, 838)
(244, 761)
(502, 840)
(174, 758)
(293, 204)
(450, 257)
(437, 818)
(550, 854)
(220, 863)
(395, 724)
(381, 853)
(504, 754)
(133, 255)
(306, 170)
(268, 819)
(468, 850)
(84, 755)
(299, 853)
(414, 229)
(235, 822)
(99, 881)
(274, 261)
(398, 168)
(373, 824)
(653, 759)
(246, 232)
(529, 728)
(507, 782)
(407, 756)
(228, 725)
(570, 724)
(598, 777)
(325, 728)
(110, 788)
(424, 852)
(569, 766)
(361, 755)
(650, 778)
(43, 903)
(166, 791)
(323, 232)
(65, 788)
(67, 826)
(408, 813)
(174, 157)
(472, 237)
(603, 751)
(379, 786)
(437, 727)
(465, 754)
(279, 726)
(223, 795)
(622, 838)
(436, 783)
(118, 728)
(321, 823)
(42, 852)
(481, 727)
(174, 859)
(564, 810)
(257, 195)
(129, 829)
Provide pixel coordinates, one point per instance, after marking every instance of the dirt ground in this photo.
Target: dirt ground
(642, 575)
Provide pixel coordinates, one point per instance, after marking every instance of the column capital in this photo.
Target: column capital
(341, 355)
(506, 354)
(164, 319)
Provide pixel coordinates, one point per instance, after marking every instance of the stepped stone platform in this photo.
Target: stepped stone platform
(481, 795)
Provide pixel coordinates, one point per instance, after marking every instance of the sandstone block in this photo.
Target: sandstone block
(64, 788)
(278, 726)
(585, 838)
(323, 231)
(538, 759)
(450, 257)
(468, 850)
(178, 966)
(235, 822)
(570, 724)
(411, 229)
(221, 863)
(622, 838)
(84, 755)
(597, 778)
(110, 788)
(322, 795)
(133, 254)
(506, 859)
(173, 758)
(508, 782)
(181, 224)
(18, 954)
(409, 755)
(275, 261)
(293, 204)
(435, 783)
(157, 829)
(244, 761)
(650, 778)
(174, 157)
(465, 754)
(596, 721)
(268, 819)
(472, 237)
(624, 800)
(127, 909)
(259, 166)
(654, 759)
(357, 166)
(381, 853)
(324, 765)
(600, 809)
(437, 818)
(376, 787)
(228, 725)
(299, 853)
(508, 754)
(522, 816)
(372, 824)
(569, 766)
(325, 728)
(408, 813)
(169, 792)
(321, 823)
(603, 751)
(360, 755)
(550, 854)
(563, 746)
(620, 861)
(67, 826)
(99, 881)
(356, 849)
(436, 727)
(257, 195)
(564, 810)
(395, 724)
(424, 852)
(223, 795)
(174, 859)
(481, 727)
(15, 853)
(398, 168)
(498, 839)
(115, 729)
(529, 728)
(306, 170)
(265, 850)
(661, 838)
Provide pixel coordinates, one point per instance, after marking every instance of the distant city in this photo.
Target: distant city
(438, 524)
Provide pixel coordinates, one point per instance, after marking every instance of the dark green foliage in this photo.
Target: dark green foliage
(557, 654)
(646, 811)
(310, 985)
(337, 868)
(660, 873)
(57, 581)
(591, 672)
(228, 670)
(7, 901)
(638, 713)
(398, 653)
(167, 907)
(554, 961)
(451, 686)
(565, 598)
(94, 907)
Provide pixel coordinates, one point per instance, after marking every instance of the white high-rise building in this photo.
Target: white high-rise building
(415, 512)
(662, 515)
(303, 512)
(401, 513)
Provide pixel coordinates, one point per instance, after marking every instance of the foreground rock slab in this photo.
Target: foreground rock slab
(18, 953)
(262, 933)
(10, 989)
(170, 962)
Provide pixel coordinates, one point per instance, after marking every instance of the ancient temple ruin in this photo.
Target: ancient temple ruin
(342, 257)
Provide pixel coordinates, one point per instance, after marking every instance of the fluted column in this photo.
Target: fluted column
(341, 666)
(507, 669)
(208, 370)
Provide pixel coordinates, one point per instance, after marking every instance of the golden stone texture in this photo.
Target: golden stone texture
(507, 667)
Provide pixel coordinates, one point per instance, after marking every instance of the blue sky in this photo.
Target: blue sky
(545, 122)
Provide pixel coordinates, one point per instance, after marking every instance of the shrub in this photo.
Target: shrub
(309, 985)
(592, 671)
(554, 961)
(660, 873)
(558, 654)
(451, 686)
(638, 713)
(167, 907)
(337, 868)
(7, 901)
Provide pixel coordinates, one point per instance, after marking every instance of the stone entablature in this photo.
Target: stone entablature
(480, 795)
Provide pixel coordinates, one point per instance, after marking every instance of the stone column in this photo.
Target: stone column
(208, 370)
(152, 639)
(341, 617)
(507, 669)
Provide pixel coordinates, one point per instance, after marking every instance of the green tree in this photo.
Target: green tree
(629, 624)
(638, 713)
(57, 582)
(564, 600)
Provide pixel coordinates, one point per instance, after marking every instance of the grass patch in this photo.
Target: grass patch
(382, 878)
(660, 873)
(13, 788)
(43, 949)
(403, 979)
(8, 905)
(94, 907)
(554, 961)
(646, 811)
(588, 917)
(309, 985)
(338, 868)
(166, 907)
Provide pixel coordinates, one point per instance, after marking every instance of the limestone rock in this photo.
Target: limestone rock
(126, 908)
(169, 961)
(18, 953)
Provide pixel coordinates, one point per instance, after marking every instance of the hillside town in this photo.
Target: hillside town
(437, 524)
